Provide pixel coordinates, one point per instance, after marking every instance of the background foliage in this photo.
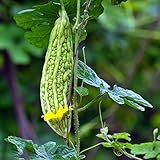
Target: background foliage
(122, 46)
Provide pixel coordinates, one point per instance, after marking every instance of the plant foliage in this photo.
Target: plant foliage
(118, 94)
(47, 151)
(39, 20)
(121, 144)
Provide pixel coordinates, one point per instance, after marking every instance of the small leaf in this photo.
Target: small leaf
(158, 137)
(122, 135)
(82, 91)
(117, 145)
(107, 145)
(104, 134)
(99, 136)
(104, 130)
(124, 145)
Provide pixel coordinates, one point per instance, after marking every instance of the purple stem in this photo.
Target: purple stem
(24, 126)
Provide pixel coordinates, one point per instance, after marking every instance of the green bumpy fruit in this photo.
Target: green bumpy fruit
(56, 74)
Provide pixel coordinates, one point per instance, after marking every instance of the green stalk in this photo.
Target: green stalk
(75, 102)
(76, 117)
(62, 4)
(75, 27)
(90, 103)
(85, 61)
(131, 156)
(100, 114)
(89, 148)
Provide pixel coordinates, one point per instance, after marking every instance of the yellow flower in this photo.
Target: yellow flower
(58, 116)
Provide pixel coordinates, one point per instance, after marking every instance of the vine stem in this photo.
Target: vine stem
(85, 61)
(90, 103)
(62, 4)
(76, 117)
(131, 156)
(75, 103)
(77, 16)
(89, 148)
(76, 52)
(100, 115)
(73, 79)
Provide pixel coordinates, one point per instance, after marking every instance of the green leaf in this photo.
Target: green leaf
(66, 152)
(100, 136)
(48, 151)
(124, 145)
(103, 134)
(90, 77)
(122, 135)
(158, 137)
(125, 96)
(22, 144)
(82, 91)
(149, 149)
(117, 145)
(118, 94)
(115, 2)
(39, 20)
(107, 145)
(95, 8)
(39, 36)
(125, 23)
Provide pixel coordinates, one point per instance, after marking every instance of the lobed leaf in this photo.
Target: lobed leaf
(48, 151)
(90, 77)
(66, 152)
(39, 20)
(22, 144)
(125, 96)
(82, 91)
(118, 94)
(122, 135)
